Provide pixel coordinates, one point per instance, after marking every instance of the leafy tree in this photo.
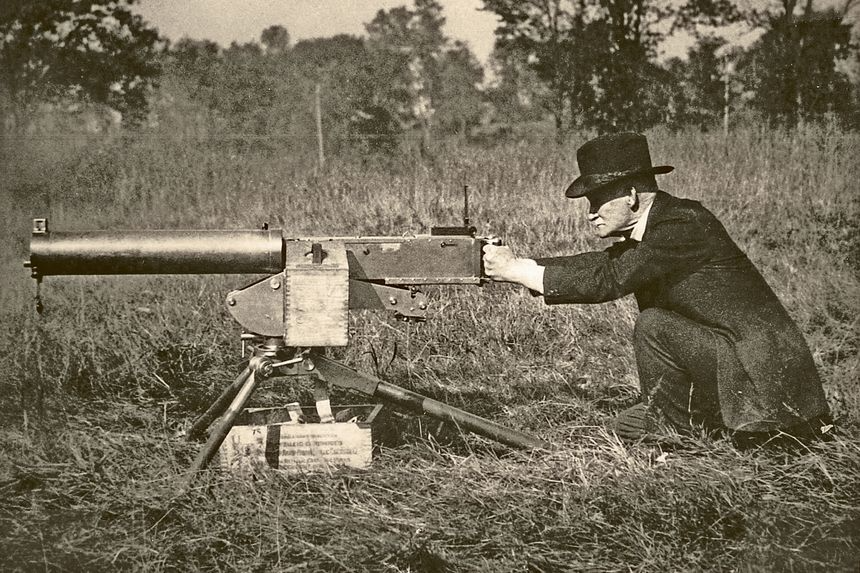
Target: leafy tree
(540, 33)
(194, 63)
(257, 96)
(517, 94)
(346, 70)
(55, 51)
(408, 47)
(248, 95)
(341, 50)
(698, 15)
(793, 69)
(630, 82)
(374, 129)
(402, 76)
(594, 56)
(700, 97)
(792, 72)
(276, 39)
(193, 53)
(461, 104)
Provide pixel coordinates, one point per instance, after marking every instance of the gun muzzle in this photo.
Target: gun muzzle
(155, 252)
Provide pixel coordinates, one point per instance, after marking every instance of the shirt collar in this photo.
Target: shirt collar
(639, 228)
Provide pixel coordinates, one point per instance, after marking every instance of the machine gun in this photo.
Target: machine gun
(302, 307)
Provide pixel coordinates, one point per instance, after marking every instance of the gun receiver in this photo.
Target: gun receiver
(303, 304)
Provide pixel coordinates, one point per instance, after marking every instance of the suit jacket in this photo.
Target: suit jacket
(688, 264)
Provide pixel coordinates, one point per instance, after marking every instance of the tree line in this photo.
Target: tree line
(596, 61)
(586, 64)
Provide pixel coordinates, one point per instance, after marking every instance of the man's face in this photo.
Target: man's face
(610, 214)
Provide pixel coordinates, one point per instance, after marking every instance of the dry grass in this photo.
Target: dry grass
(93, 390)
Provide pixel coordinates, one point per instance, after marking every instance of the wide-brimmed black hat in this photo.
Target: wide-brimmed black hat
(609, 158)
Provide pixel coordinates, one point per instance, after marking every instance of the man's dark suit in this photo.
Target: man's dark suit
(686, 263)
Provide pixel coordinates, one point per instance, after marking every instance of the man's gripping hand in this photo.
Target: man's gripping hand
(501, 265)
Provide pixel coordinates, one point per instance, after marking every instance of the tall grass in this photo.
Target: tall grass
(94, 389)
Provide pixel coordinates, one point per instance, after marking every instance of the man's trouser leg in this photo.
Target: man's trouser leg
(677, 363)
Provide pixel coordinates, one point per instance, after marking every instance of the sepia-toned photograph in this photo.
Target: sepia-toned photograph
(430, 286)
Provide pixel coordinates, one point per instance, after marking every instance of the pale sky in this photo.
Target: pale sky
(224, 21)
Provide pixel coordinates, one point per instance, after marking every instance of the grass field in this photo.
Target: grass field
(94, 390)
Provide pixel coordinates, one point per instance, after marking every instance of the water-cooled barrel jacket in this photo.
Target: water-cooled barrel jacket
(688, 264)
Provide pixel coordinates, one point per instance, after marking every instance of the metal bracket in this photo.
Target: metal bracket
(259, 307)
(405, 303)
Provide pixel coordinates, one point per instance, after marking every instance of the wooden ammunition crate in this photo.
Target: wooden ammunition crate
(268, 438)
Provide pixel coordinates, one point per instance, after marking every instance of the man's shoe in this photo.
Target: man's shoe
(638, 424)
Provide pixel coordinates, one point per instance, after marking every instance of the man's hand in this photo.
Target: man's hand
(501, 265)
(498, 262)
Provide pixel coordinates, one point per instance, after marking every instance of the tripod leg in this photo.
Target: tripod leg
(216, 438)
(218, 406)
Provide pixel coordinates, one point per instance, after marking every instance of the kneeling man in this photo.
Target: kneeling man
(715, 349)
